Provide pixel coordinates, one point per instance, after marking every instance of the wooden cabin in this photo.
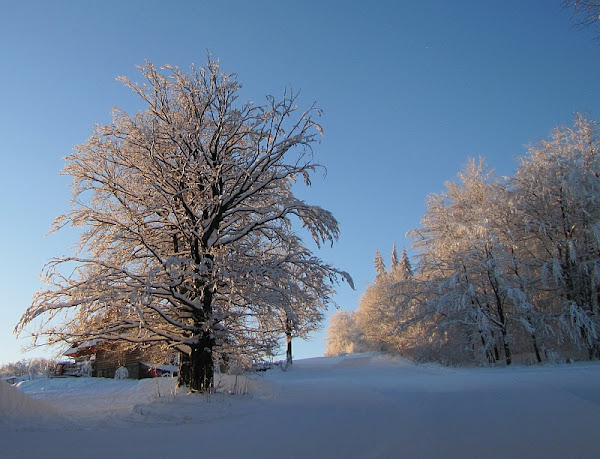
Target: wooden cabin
(106, 357)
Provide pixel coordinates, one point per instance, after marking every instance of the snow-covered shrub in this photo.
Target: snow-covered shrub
(122, 373)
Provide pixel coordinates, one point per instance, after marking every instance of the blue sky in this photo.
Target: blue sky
(410, 90)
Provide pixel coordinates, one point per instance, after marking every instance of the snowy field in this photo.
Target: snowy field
(358, 406)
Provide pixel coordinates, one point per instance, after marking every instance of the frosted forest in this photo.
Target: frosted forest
(507, 269)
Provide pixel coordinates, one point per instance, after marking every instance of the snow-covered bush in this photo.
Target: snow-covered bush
(122, 373)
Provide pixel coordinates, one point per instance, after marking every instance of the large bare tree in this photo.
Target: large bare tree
(187, 210)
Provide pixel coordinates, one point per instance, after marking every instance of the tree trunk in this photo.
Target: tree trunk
(488, 352)
(202, 369)
(183, 372)
(288, 352)
(507, 352)
(288, 338)
(196, 369)
(502, 318)
(536, 348)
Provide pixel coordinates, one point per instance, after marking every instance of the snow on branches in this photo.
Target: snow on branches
(187, 213)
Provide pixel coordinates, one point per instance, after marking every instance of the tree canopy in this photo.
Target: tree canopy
(188, 213)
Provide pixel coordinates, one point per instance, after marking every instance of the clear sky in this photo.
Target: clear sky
(410, 90)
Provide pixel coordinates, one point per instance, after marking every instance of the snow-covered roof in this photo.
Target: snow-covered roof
(84, 345)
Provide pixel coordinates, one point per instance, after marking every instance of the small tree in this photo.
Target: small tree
(395, 260)
(405, 267)
(379, 264)
(188, 210)
(297, 297)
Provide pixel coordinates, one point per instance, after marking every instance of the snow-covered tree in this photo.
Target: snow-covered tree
(405, 267)
(390, 316)
(513, 265)
(557, 194)
(379, 264)
(375, 316)
(343, 335)
(296, 298)
(505, 266)
(187, 210)
(462, 250)
(395, 260)
(34, 366)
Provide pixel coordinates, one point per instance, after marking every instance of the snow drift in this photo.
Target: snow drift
(20, 411)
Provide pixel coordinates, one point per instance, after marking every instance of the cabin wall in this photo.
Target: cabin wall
(108, 359)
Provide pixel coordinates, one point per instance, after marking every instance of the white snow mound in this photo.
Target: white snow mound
(17, 408)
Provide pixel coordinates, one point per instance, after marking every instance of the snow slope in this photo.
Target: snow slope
(356, 406)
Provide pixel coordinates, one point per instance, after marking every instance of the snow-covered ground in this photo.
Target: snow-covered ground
(358, 406)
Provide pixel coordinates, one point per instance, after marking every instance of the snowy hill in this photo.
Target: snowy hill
(355, 406)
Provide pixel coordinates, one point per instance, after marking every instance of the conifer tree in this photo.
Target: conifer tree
(404, 267)
(395, 261)
(379, 264)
